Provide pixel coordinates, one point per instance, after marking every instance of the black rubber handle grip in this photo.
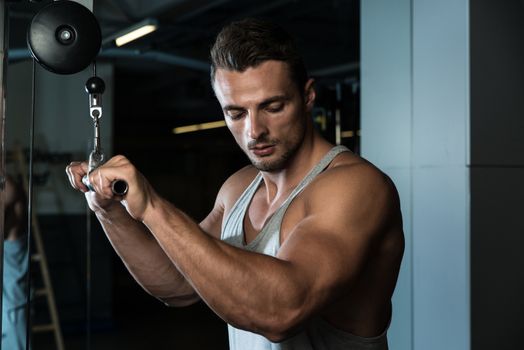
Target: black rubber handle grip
(119, 187)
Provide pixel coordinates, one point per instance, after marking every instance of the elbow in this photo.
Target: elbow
(173, 299)
(273, 323)
(277, 337)
(284, 326)
(180, 300)
(281, 332)
(172, 296)
(289, 316)
(278, 314)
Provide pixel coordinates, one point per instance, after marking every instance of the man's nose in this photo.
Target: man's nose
(257, 126)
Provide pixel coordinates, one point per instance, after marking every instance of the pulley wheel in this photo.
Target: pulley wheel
(64, 37)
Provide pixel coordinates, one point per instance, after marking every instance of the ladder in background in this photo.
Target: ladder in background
(40, 258)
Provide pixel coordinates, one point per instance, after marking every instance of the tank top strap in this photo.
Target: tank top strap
(320, 167)
(233, 225)
(276, 220)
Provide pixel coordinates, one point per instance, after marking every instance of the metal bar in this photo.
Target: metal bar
(343, 68)
(338, 112)
(43, 328)
(158, 56)
(3, 83)
(43, 265)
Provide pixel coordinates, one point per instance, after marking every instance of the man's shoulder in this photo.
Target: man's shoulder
(240, 179)
(353, 196)
(351, 177)
(349, 168)
(236, 184)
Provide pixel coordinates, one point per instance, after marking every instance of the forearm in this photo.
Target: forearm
(249, 290)
(144, 258)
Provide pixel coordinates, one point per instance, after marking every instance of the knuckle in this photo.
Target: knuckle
(119, 157)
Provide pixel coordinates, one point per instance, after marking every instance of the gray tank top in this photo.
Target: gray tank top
(317, 334)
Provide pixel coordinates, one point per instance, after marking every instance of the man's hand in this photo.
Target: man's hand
(136, 199)
(75, 172)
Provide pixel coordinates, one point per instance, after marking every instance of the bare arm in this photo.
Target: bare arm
(144, 258)
(136, 246)
(321, 259)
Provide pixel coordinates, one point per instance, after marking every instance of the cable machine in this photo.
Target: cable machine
(64, 37)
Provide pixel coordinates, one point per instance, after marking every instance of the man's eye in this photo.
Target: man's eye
(275, 108)
(235, 115)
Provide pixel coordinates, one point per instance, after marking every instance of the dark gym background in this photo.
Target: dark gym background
(436, 88)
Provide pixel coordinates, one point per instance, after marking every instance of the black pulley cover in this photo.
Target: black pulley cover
(64, 37)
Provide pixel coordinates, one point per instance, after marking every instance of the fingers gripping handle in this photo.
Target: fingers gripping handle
(118, 187)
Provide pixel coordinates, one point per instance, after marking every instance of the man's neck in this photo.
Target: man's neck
(281, 183)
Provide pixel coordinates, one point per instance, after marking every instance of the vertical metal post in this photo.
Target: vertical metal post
(338, 130)
(3, 83)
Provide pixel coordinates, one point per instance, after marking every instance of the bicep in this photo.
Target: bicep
(329, 248)
(325, 260)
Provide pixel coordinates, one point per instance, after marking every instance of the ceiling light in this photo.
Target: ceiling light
(197, 127)
(349, 133)
(132, 33)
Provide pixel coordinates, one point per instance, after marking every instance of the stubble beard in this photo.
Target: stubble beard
(274, 165)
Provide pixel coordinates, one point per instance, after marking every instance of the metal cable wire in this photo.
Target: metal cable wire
(88, 265)
(30, 207)
(88, 278)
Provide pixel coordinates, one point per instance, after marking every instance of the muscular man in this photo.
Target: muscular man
(302, 248)
(15, 269)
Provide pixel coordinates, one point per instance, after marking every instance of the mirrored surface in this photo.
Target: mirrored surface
(153, 85)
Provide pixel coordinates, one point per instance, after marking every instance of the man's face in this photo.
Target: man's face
(265, 112)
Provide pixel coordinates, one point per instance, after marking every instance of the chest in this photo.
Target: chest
(259, 213)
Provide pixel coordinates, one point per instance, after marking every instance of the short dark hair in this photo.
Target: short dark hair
(249, 42)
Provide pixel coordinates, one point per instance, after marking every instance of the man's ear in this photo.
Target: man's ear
(310, 94)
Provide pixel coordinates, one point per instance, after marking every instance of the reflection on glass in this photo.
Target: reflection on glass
(15, 268)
